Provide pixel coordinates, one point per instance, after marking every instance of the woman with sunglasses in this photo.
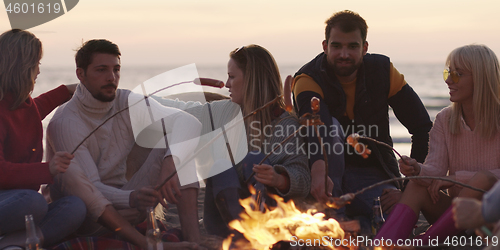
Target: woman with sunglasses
(464, 145)
(21, 168)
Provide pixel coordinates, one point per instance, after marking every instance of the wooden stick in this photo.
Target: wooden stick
(274, 149)
(213, 139)
(203, 81)
(381, 143)
(346, 198)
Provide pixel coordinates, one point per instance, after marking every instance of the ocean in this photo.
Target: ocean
(425, 79)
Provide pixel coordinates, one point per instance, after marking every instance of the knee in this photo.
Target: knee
(414, 187)
(77, 205)
(483, 179)
(414, 190)
(77, 208)
(36, 202)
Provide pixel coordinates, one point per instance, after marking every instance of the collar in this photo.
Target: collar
(464, 124)
(89, 103)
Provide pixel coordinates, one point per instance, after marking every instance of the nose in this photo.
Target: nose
(228, 84)
(344, 52)
(112, 76)
(448, 80)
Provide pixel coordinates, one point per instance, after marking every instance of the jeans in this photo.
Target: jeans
(212, 218)
(361, 207)
(56, 220)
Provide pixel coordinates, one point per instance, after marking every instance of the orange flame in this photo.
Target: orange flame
(283, 223)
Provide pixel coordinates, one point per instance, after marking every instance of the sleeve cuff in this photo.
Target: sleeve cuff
(281, 169)
(121, 200)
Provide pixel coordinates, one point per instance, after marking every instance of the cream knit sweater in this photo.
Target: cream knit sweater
(103, 155)
(462, 155)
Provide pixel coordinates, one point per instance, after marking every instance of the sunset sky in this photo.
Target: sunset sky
(167, 32)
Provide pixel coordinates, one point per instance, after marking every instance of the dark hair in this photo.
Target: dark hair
(348, 21)
(84, 54)
(20, 54)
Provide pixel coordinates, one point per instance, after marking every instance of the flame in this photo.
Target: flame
(283, 223)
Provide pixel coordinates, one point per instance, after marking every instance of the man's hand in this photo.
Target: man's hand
(170, 191)
(389, 198)
(266, 175)
(437, 185)
(145, 197)
(409, 166)
(467, 213)
(318, 182)
(60, 162)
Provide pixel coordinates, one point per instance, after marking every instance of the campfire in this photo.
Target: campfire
(283, 223)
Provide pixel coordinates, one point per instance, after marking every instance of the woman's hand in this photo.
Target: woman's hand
(266, 175)
(437, 185)
(409, 166)
(60, 162)
(170, 191)
(389, 198)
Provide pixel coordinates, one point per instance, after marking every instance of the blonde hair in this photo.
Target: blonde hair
(262, 84)
(482, 62)
(20, 54)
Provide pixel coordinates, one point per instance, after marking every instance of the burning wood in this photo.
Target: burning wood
(283, 223)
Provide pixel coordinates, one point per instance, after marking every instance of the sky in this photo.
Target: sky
(180, 32)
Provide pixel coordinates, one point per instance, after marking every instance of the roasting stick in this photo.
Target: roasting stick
(289, 107)
(204, 82)
(347, 198)
(213, 139)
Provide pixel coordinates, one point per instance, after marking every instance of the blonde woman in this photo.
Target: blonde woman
(253, 80)
(464, 145)
(21, 167)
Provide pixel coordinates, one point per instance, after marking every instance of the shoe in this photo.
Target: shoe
(442, 228)
(399, 224)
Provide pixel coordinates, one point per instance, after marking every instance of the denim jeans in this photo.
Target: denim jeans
(356, 178)
(56, 220)
(214, 224)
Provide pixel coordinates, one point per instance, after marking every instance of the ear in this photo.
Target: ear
(325, 46)
(80, 73)
(365, 47)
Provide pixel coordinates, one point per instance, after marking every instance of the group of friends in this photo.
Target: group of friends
(109, 181)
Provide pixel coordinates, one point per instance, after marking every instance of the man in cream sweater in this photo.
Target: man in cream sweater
(98, 172)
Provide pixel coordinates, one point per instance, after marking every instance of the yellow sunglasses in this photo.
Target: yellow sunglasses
(455, 76)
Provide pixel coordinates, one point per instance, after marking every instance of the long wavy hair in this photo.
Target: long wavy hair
(262, 84)
(20, 54)
(482, 62)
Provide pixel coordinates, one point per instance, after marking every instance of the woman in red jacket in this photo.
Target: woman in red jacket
(21, 168)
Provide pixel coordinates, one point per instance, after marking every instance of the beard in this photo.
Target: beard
(345, 70)
(105, 98)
